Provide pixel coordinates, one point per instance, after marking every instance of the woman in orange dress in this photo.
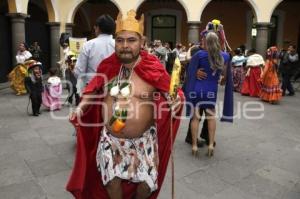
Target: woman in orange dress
(270, 90)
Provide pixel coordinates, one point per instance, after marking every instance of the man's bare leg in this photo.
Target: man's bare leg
(143, 191)
(114, 188)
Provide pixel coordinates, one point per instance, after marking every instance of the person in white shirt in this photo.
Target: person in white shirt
(96, 50)
(23, 54)
(62, 62)
(182, 54)
(177, 49)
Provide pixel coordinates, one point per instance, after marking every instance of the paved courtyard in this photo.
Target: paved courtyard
(254, 158)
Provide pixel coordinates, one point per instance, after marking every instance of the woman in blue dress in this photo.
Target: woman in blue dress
(201, 94)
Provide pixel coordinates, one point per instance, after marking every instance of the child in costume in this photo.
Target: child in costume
(71, 79)
(34, 86)
(52, 92)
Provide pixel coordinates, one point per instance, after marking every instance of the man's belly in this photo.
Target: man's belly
(140, 118)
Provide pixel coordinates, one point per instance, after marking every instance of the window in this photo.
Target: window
(164, 28)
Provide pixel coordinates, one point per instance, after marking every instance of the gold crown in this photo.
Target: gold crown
(130, 23)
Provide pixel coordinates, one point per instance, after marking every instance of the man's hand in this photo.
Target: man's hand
(222, 80)
(81, 108)
(77, 113)
(201, 75)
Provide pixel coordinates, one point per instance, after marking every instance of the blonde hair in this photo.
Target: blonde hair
(213, 47)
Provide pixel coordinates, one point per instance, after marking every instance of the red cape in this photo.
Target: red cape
(85, 180)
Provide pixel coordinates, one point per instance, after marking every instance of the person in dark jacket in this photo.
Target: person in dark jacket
(34, 86)
(288, 65)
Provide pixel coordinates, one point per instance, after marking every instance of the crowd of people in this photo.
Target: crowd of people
(256, 77)
(131, 149)
(166, 54)
(27, 77)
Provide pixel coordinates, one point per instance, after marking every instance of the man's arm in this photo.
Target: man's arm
(27, 83)
(285, 59)
(293, 58)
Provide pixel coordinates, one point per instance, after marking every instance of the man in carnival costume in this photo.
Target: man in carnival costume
(123, 122)
(34, 86)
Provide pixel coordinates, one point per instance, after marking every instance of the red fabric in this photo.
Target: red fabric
(252, 83)
(85, 180)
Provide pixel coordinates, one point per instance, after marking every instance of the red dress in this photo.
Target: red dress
(85, 180)
(252, 85)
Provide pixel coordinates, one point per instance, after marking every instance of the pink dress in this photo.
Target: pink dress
(52, 94)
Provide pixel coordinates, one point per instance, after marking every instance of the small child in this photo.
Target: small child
(34, 86)
(52, 92)
(72, 81)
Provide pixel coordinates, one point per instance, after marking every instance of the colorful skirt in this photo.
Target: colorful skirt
(252, 84)
(17, 77)
(51, 97)
(238, 78)
(135, 160)
(270, 91)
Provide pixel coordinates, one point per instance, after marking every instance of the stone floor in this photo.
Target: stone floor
(254, 158)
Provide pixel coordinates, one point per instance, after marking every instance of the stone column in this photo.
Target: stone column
(262, 37)
(69, 28)
(193, 33)
(54, 43)
(18, 32)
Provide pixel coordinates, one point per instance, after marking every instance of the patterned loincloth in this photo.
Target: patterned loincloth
(135, 160)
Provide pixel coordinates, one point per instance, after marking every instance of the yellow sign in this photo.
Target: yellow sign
(76, 44)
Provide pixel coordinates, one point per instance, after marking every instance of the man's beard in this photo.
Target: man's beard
(127, 59)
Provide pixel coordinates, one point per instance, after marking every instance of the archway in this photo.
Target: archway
(170, 27)
(37, 30)
(286, 19)
(87, 13)
(5, 40)
(237, 16)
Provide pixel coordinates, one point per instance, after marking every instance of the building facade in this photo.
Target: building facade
(253, 23)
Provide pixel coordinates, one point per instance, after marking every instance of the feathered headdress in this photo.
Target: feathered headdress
(216, 26)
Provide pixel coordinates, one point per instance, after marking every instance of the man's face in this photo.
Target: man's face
(128, 46)
(291, 49)
(37, 71)
(22, 47)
